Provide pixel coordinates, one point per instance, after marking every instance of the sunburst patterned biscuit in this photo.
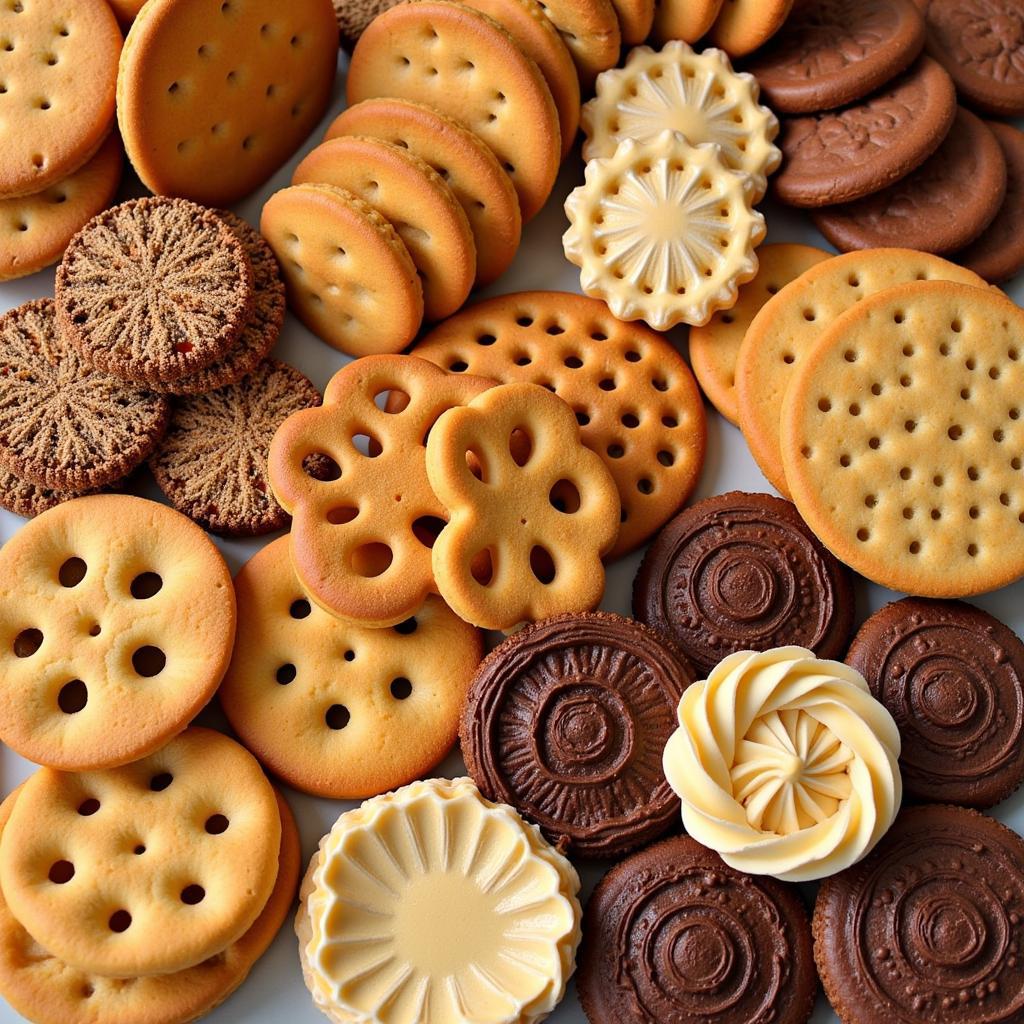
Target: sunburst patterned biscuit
(663, 231)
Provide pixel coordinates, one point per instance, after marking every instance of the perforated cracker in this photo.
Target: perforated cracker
(591, 31)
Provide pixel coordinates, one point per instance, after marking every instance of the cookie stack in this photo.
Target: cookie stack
(737, 26)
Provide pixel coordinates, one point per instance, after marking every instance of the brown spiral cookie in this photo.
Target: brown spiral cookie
(743, 572)
(928, 927)
(567, 720)
(674, 934)
(953, 678)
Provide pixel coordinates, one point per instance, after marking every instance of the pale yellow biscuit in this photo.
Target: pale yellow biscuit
(591, 31)
(902, 439)
(744, 25)
(684, 19)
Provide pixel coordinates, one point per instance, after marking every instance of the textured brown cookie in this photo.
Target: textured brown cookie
(846, 154)
(154, 289)
(354, 15)
(63, 424)
(29, 500)
(939, 208)
(743, 572)
(567, 720)
(212, 465)
(929, 926)
(674, 934)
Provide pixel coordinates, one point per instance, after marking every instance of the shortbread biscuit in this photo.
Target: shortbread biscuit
(145, 869)
(117, 619)
(29, 500)
(465, 65)
(591, 31)
(744, 25)
(350, 278)
(213, 97)
(902, 439)
(789, 324)
(684, 19)
(636, 18)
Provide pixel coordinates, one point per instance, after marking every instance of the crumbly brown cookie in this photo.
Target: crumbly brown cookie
(29, 500)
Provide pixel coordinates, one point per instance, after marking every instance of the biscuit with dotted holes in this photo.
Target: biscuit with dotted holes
(744, 25)
(633, 395)
(117, 620)
(48, 991)
(464, 64)
(715, 347)
(148, 868)
(592, 33)
(349, 277)
(336, 710)
(684, 19)
(214, 95)
(532, 509)
(902, 439)
(790, 323)
(406, 191)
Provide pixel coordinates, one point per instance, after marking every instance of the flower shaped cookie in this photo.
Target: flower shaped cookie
(785, 764)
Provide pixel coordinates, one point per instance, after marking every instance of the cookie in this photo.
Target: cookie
(125, 11)
(350, 278)
(566, 721)
(790, 324)
(636, 18)
(697, 94)
(117, 618)
(29, 500)
(673, 933)
(35, 229)
(212, 465)
(684, 19)
(836, 52)
(941, 207)
(742, 572)
(374, 708)
(927, 927)
(465, 162)
(702, 251)
(634, 397)
(212, 99)
(354, 15)
(592, 33)
(58, 70)
(953, 678)
(715, 347)
(411, 195)
(530, 522)
(465, 65)
(64, 425)
(744, 25)
(146, 869)
(908, 407)
(154, 289)
(842, 155)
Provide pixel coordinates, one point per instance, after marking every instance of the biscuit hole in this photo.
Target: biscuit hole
(809, 315)
(426, 529)
(525, 320)
(615, 451)
(484, 567)
(863, 535)
(874, 443)
(72, 572)
(367, 444)
(998, 436)
(408, 627)
(824, 405)
(285, 674)
(854, 409)
(573, 362)
(146, 585)
(659, 384)
(645, 486)
(943, 349)
(906, 473)
(870, 500)
(974, 511)
(299, 609)
(1015, 462)
(936, 514)
(554, 329)
(1014, 354)
(955, 432)
(149, 661)
(876, 389)
(159, 782)
(1014, 413)
(807, 451)
(908, 513)
(391, 400)
(27, 642)
(910, 426)
(192, 895)
(486, 340)
(905, 381)
(669, 421)
(845, 460)
(89, 806)
(337, 716)
(520, 446)
(565, 497)
(319, 466)
(965, 394)
(608, 384)
(666, 458)
(522, 359)
(371, 560)
(350, 655)
(897, 318)
(630, 420)
(120, 921)
(73, 697)
(972, 550)
(788, 358)
(1004, 499)
(853, 281)
(61, 872)
(938, 479)
(458, 366)
(970, 363)
(401, 688)
(850, 356)
(342, 514)
(972, 473)
(914, 547)
(542, 565)
(139, 850)
(582, 417)
(994, 372)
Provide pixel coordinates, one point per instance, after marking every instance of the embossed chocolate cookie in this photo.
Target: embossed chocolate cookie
(743, 572)
(567, 720)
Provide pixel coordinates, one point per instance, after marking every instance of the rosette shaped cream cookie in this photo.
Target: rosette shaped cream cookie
(663, 231)
(434, 904)
(785, 764)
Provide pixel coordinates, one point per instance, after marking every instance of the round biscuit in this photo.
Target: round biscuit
(688, 20)
(744, 25)
(591, 31)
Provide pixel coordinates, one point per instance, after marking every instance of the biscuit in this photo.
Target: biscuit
(125, 11)
(117, 620)
(684, 19)
(744, 25)
(58, 70)
(633, 395)
(464, 161)
(145, 869)
(636, 18)
(465, 65)
(361, 535)
(901, 439)
(790, 323)
(213, 97)
(336, 710)
(350, 278)
(406, 191)
(354, 15)
(526, 535)
(212, 465)
(28, 500)
(592, 33)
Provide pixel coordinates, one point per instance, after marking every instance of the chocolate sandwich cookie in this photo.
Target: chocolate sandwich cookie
(674, 934)
(567, 721)
(928, 927)
(743, 572)
(952, 677)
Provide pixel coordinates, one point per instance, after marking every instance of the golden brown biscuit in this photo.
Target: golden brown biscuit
(744, 25)
(635, 19)
(591, 30)
(684, 19)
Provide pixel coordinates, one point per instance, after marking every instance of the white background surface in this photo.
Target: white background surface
(274, 992)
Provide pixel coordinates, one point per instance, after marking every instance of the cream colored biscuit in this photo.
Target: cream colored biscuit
(744, 25)
(684, 19)
(591, 31)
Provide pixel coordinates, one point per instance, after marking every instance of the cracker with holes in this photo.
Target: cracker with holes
(362, 533)
(117, 619)
(532, 511)
(464, 64)
(214, 95)
(342, 711)
(145, 869)
(633, 395)
(902, 439)
(592, 33)
(743, 26)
